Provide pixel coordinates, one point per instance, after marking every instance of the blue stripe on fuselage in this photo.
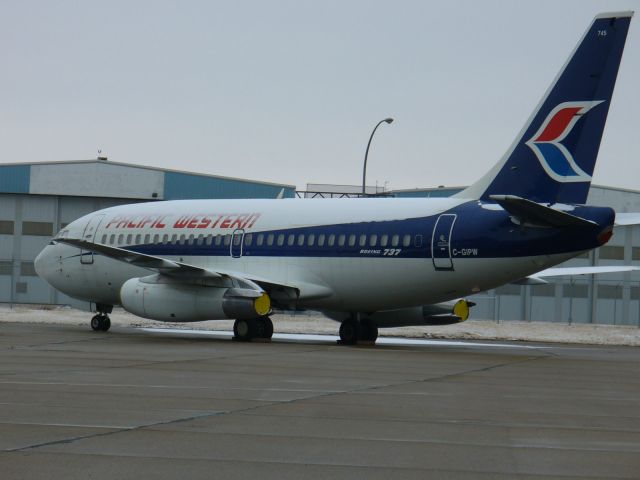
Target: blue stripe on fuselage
(477, 233)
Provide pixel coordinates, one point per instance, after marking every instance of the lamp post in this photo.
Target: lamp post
(364, 169)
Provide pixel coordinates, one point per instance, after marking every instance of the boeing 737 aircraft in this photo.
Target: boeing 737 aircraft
(371, 262)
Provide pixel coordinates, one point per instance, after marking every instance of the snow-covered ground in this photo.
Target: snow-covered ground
(317, 324)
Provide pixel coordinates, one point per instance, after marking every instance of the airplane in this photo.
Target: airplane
(367, 263)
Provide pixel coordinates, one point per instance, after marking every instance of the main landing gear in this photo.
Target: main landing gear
(100, 321)
(254, 328)
(353, 331)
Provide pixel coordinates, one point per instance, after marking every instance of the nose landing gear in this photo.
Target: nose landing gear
(101, 322)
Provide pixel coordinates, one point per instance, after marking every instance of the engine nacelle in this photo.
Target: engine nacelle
(176, 302)
(446, 313)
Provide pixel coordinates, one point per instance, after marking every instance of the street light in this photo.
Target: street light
(364, 169)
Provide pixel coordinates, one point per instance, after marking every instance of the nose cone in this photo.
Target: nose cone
(43, 264)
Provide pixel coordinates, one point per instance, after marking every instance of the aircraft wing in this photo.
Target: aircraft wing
(534, 213)
(539, 278)
(219, 277)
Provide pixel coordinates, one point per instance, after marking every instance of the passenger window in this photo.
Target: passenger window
(341, 239)
(270, 238)
(260, 239)
(104, 239)
(406, 241)
(291, 240)
(129, 239)
(395, 240)
(218, 240)
(209, 240)
(227, 240)
(138, 238)
(156, 239)
(321, 240)
(281, 240)
(120, 238)
(182, 239)
(237, 239)
(373, 240)
(311, 241)
(363, 240)
(112, 239)
(352, 240)
(248, 239)
(200, 240)
(332, 240)
(191, 238)
(300, 240)
(147, 239)
(165, 238)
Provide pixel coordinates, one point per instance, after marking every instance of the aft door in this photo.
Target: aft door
(89, 234)
(441, 242)
(237, 239)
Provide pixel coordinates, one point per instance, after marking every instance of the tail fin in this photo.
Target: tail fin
(553, 157)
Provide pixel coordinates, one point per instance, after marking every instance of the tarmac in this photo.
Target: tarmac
(165, 404)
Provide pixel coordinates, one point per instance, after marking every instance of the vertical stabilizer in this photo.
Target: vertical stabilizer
(554, 155)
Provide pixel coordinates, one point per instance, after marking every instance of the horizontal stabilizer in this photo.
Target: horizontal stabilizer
(627, 219)
(533, 213)
(540, 277)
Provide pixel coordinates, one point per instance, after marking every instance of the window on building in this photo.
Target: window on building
(6, 267)
(6, 227)
(610, 291)
(635, 253)
(575, 291)
(609, 252)
(21, 287)
(27, 269)
(43, 229)
(395, 240)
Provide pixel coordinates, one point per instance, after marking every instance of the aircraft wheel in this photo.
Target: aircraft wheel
(348, 332)
(265, 328)
(244, 330)
(368, 331)
(106, 323)
(96, 323)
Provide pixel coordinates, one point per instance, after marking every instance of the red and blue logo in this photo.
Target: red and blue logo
(547, 145)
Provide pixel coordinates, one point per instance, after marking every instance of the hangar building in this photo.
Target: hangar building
(38, 199)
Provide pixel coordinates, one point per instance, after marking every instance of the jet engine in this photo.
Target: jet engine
(438, 314)
(180, 302)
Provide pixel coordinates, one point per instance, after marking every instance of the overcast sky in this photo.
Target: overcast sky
(288, 91)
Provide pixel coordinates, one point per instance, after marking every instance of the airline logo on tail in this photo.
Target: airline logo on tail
(554, 157)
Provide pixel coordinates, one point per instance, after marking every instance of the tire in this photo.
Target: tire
(349, 332)
(368, 331)
(96, 323)
(244, 330)
(267, 328)
(106, 323)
